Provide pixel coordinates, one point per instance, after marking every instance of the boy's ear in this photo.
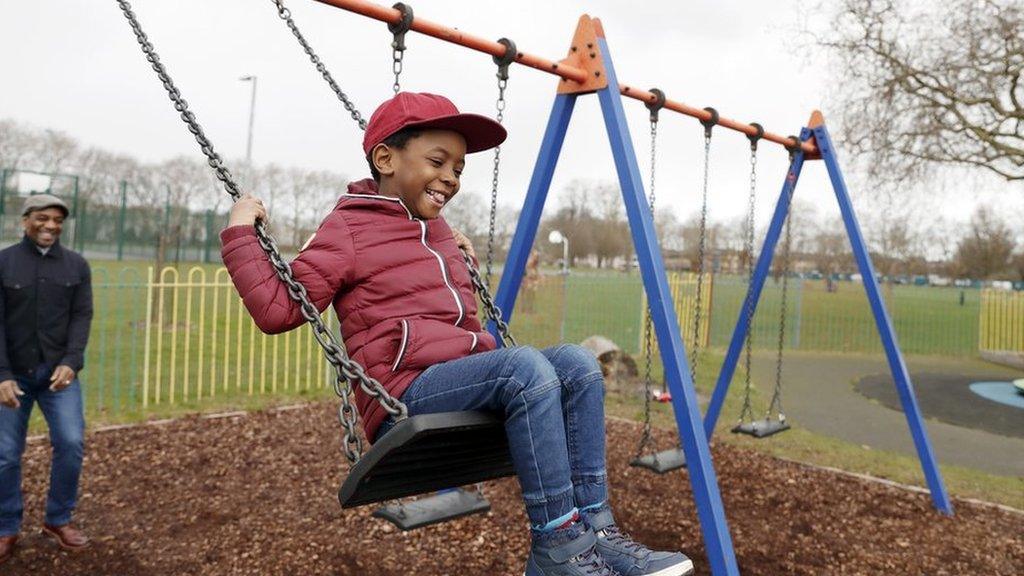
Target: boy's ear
(383, 159)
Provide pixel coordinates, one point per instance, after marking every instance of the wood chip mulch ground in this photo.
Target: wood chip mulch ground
(257, 495)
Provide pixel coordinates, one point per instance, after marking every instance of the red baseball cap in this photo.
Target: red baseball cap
(431, 111)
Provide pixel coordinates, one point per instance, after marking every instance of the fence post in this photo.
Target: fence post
(149, 322)
(209, 236)
(120, 220)
(799, 310)
(80, 227)
(79, 217)
(3, 200)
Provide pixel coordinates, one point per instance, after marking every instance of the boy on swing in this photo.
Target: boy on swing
(392, 268)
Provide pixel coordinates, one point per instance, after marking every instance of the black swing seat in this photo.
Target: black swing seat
(761, 428)
(427, 453)
(661, 462)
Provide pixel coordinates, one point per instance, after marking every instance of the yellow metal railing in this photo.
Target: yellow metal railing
(683, 287)
(200, 342)
(1001, 327)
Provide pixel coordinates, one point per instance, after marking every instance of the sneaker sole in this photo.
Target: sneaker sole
(681, 569)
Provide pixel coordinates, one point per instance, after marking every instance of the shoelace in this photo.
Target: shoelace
(614, 535)
(593, 562)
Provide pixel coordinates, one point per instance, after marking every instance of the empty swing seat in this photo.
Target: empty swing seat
(441, 507)
(661, 462)
(427, 453)
(761, 428)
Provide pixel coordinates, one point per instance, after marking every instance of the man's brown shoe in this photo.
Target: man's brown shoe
(69, 537)
(7, 547)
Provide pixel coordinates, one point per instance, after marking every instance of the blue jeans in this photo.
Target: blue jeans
(64, 417)
(553, 405)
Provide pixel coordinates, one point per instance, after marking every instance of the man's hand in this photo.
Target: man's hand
(246, 210)
(61, 378)
(9, 393)
(464, 243)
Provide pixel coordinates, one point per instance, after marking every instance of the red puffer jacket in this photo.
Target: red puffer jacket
(398, 283)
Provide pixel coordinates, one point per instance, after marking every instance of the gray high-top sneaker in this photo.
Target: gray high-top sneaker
(627, 556)
(567, 552)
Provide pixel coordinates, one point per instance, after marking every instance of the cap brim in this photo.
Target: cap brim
(481, 133)
(60, 207)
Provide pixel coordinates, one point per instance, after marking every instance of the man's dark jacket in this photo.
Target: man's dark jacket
(45, 310)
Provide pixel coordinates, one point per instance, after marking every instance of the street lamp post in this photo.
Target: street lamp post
(556, 237)
(252, 115)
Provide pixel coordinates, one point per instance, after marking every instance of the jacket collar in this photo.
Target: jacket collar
(367, 189)
(55, 249)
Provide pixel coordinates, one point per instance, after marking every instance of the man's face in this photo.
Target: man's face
(43, 226)
(427, 171)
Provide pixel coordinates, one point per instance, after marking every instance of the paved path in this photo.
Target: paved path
(819, 395)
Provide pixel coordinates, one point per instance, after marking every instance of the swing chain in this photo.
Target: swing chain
(398, 30)
(786, 254)
(747, 411)
(286, 15)
(787, 246)
(702, 242)
(346, 370)
(503, 63)
(654, 106)
(492, 310)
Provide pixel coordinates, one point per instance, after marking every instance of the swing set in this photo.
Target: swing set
(436, 452)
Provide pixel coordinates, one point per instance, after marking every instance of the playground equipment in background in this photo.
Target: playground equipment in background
(417, 456)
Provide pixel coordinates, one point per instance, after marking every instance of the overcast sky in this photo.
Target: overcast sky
(74, 66)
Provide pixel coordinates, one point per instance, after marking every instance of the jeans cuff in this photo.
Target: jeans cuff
(590, 490)
(58, 520)
(10, 528)
(543, 512)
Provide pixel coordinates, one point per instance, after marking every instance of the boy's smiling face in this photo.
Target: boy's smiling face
(425, 173)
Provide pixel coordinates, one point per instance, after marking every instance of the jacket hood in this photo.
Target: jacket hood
(364, 186)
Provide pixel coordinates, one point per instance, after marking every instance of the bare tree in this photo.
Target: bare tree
(926, 84)
(830, 248)
(15, 144)
(1017, 265)
(54, 150)
(986, 250)
(469, 213)
(610, 229)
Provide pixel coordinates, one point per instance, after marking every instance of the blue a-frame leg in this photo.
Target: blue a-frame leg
(940, 498)
(714, 526)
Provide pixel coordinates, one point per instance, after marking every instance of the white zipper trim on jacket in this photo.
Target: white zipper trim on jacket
(444, 271)
(401, 349)
(473, 347)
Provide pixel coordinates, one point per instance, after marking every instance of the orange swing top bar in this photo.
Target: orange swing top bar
(563, 69)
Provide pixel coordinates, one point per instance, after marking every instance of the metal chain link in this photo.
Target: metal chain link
(500, 117)
(776, 402)
(701, 249)
(747, 411)
(398, 29)
(345, 369)
(396, 67)
(645, 439)
(493, 312)
(286, 15)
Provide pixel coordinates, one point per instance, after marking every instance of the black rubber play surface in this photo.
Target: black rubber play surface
(948, 398)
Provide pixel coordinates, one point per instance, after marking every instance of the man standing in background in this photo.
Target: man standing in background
(45, 313)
